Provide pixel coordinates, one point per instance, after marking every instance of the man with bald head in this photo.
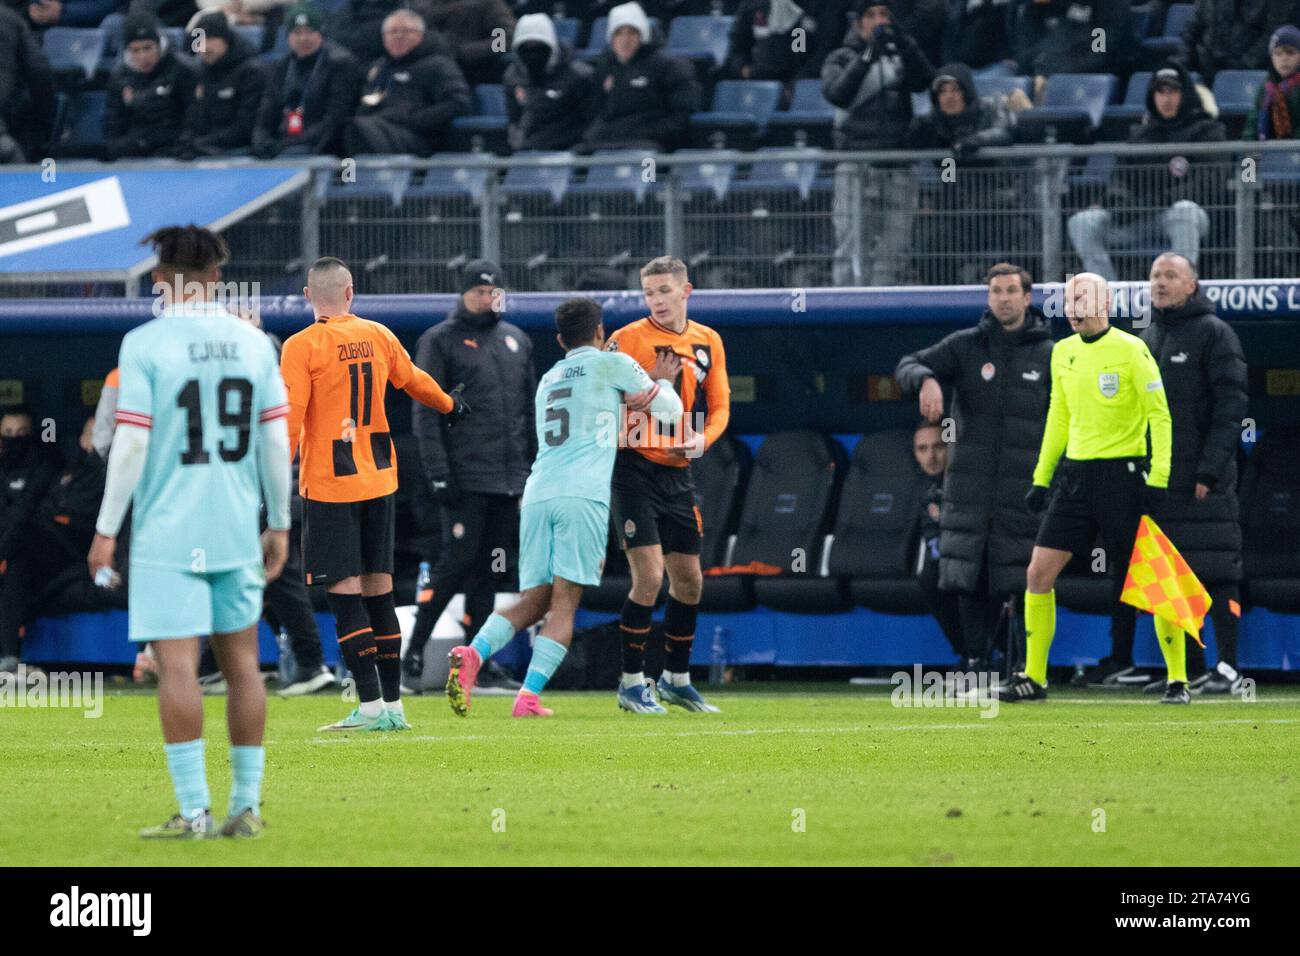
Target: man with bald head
(1204, 373)
(1106, 395)
(337, 371)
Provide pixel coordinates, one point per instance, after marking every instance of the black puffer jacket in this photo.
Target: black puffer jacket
(1233, 34)
(550, 112)
(27, 469)
(227, 96)
(69, 510)
(1000, 385)
(1057, 36)
(144, 110)
(1204, 373)
(981, 123)
(492, 450)
(649, 99)
(423, 91)
(873, 82)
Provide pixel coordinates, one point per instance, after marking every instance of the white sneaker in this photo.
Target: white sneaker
(318, 681)
(214, 685)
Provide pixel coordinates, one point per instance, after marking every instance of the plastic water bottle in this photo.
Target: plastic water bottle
(288, 667)
(718, 655)
(422, 582)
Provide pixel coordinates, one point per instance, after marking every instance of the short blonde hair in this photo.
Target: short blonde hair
(665, 265)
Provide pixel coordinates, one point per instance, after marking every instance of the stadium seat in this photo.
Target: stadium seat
(485, 131)
(371, 182)
(252, 34)
(1270, 521)
(75, 52)
(786, 515)
(81, 132)
(1156, 50)
(551, 181)
(567, 30)
(113, 25)
(703, 39)
(999, 85)
(1235, 92)
(460, 181)
(780, 175)
(741, 109)
(1279, 167)
(624, 178)
(876, 534)
(809, 121)
(705, 175)
(1072, 109)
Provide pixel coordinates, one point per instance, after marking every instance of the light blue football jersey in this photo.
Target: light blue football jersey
(201, 381)
(577, 418)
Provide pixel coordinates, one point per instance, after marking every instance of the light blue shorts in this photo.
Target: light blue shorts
(173, 603)
(562, 538)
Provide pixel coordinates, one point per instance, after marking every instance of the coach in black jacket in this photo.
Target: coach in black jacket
(1204, 373)
(999, 375)
(476, 473)
(311, 92)
(223, 109)
(410, 95)
(148, 94)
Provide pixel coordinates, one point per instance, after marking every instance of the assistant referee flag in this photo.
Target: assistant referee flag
(1160, 581)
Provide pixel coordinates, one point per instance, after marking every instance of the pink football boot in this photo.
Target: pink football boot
(465, 663)
(528, 705)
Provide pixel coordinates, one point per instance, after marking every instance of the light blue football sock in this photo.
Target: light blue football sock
(246, 766)
(495, 634)
(547, 655)
(189, 777)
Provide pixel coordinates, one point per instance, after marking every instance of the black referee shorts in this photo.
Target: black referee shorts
(341, 539)
(651, 503)
(1101, 494)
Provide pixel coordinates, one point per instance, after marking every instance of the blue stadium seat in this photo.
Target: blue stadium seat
(373, 182)
(1156, 49)
(809, 120)
(486, 129)
(532, 180)
(113, 25)
(177, 41)
(1095, 173)
(81, 132)
(1235, 90)
(459, 181)
(741, 109)
(997, 68)
(623, 178)
(999, 85)
(770, 175)
(1279, 167)
(73, 50)
(699, 38)
(1141, 20)
(1072, 108)
(705, 175)
(252, 34)
(567, 29)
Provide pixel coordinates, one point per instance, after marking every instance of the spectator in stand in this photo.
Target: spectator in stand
(976, 33)
(148, 94)
(959, 120)
(26, 92)
(170, 13)
(932, 458)
(477, 30)
(46, 567)
(871, 79)
(43, 14)
(1058, 36)
(765, 46)
(550, 96)
(1276, 113)
(645, 97)
(1232, 34)
(227, 93)
(358, 26)
(1180, 186)
(311, 92)
(410, 95)
(27, 469)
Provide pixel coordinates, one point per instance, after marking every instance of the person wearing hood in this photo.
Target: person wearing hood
(227, 94)
(311, 92)
(958, 119)
(1059, 36)
(644, 96)
(998, 377)
(148, 93)
(1204, 372)
(477, 472)
(1179, 185)
(410, 94)
(763, 44)
(550, 95)
(1232, 34)
(1276, 111)
(476, 29)
(870, 80)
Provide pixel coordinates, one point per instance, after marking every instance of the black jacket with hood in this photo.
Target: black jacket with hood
(227, 96)
(492, 450)
(649, 99)
(1233, 34)
(422, 91)
(1000, 385)
(144, 110)
(981, 123)
(1058, 36)
(872, 81)
(550, 110)
(1204, 374)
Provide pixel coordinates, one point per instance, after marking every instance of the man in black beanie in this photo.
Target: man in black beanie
(148, 94)
(223, 109)
(477, 472)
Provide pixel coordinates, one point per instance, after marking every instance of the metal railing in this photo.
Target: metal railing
(785, 218)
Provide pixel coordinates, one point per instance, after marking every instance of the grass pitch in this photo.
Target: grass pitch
(787, 774)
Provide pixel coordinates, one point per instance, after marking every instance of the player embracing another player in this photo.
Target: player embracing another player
(564, 515)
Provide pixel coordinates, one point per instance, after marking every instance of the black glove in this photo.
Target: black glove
(459, 408)
(445, 491)
(1152, 499)
(1036, 499)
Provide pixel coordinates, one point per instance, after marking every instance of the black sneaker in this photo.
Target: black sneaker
(1109, 672)
(1020, 688)
(413, 674)
(1156, 686)
(1176, 693)
(1197, 684)
(1224, 679)
(493, 677)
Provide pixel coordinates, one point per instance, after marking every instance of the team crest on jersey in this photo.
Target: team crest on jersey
(611, 345)
(511, 344)
(1108, 382)
(629, 528)
(987, 371)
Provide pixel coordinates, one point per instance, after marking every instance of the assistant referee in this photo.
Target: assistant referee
(1106, 394)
